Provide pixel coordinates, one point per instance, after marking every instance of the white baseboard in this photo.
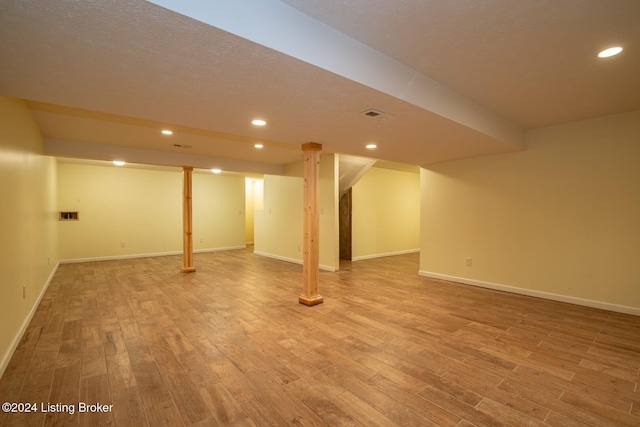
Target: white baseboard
(293, 260)
(227, 248)
(25, 324)
(386, 254)
(150, 255)
(533, 293)
(118, 257)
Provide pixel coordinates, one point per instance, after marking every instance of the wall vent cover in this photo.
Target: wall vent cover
(68, 216)
(376, 114)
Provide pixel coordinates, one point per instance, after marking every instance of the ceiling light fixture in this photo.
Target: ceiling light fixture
(167, 132)
(216, 170)
(258, 145)
(371, 146)
(119, 163)
(258, 122)
(612, 51)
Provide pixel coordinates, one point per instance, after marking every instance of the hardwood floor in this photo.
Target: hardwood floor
(231, 345)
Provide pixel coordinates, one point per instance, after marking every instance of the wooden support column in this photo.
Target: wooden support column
(187, 221)
(311, 234)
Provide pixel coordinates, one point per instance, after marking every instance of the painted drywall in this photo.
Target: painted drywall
(385, 214)
(329, 216)
(278, 227)
(254, 201)
(249, 209)
(129, 211)
(218, 211)
(28, 222)
(560, 220)
(123, 211)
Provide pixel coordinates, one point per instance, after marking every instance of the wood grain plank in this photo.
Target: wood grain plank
(65, 390)
(187, 398)
(95, 390)
(224, 407)
(230, 345)
(128, 408)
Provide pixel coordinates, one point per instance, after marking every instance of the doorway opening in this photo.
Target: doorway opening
(345, 218)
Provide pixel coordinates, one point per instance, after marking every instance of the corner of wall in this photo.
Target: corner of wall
(28, 222)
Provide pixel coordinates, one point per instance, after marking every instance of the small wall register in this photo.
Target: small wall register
(68, 216)
(68, 408)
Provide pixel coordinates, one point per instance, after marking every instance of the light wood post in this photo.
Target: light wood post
(187, 221)
(311, 240)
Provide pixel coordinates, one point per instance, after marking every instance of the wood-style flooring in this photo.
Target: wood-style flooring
(231, 345)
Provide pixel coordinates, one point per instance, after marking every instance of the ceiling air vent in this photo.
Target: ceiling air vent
(376, 114)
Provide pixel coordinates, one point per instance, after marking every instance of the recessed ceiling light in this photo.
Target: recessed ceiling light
(258, 122)
(167, 132)
(258, 145)
(612, 51)
(371, 146)
(216, 170)
(119, 163)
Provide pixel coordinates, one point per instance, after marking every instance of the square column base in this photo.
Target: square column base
(188, 269)
(309, 301)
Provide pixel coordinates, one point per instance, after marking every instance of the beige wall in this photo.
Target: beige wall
(278, 227)
(560, 220)
(126, 211)
(28, 222)
(254, 201)
(249, 209)
(386, 213)
(218, 212)
(329, 219)
(123, 211)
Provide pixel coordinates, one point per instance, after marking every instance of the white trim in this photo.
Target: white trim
(117, 257)
(25, 324)
(383, 255)
(293, 260)
(533, 293)
(227, 248)
(151, 255)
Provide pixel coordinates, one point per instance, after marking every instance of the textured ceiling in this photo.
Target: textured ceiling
(531, 61)
(103, 78)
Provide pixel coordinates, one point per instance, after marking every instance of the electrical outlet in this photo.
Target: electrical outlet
(24, 292)
(123, 244)
(468, 261)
